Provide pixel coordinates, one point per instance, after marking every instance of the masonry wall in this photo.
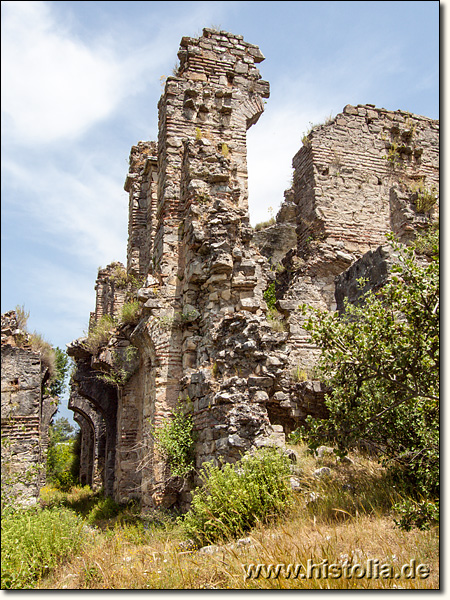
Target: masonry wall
(356, 178)
(25, 414)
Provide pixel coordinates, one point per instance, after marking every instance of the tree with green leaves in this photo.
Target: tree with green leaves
(57, 384)
(62, 454)
(380, 360)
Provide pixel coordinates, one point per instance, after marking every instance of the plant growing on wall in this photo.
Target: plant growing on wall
(131, 312)
(100, 333)
(270, 297)
(424, 199)
(175, 440)
(119, 276)
(123, 367)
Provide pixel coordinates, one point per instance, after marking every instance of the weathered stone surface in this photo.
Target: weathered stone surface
(26, 413)
(373, 267)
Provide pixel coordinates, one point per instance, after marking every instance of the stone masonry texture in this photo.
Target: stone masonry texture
(201, 336)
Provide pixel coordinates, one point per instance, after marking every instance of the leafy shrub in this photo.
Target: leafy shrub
(381, 361)
(61, 455)
(234, 498)
(57, 384)
(36, 541)
(175, 440)
(270, 297)
(419, 514)
(428, 242)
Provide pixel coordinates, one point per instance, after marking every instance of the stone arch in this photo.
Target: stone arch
(93, 441)
(103, 398)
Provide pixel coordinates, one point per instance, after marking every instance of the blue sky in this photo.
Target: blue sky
(80, 86)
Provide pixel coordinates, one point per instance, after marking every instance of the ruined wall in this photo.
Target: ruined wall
(110, 288)
(204, 338)
(141, 185)
(26, 413)
(356, 177)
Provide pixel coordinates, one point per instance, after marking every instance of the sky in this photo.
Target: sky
(80, 86)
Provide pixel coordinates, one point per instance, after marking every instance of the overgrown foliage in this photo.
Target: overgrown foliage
(131, 312)
(381, 361)
(54, 359)
(124, 365)
(235, 497)
(100, 333)
(48, 358)
(36, 541)
(175, 439)
(119, 276)
(57, 384)
(62, 457)
(342, 517)
(270, 296)
(424, 198)
(265, 224)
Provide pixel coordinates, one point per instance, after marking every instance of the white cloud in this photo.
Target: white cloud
(53, 86)
(87, 213)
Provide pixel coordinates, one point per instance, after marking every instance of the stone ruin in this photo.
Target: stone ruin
(204, 337)
(27, 410)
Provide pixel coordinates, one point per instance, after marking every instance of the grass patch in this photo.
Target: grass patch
(34, 542)
(100, 334)
(131, 312)
(265, 224)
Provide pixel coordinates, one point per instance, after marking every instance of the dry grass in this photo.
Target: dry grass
(345, 517)
(48, 358)
(113, 562)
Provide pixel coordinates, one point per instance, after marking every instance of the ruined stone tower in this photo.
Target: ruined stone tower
(27, 409)
(203, 337)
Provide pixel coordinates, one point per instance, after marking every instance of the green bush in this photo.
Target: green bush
(380, 360)
(62, 458)
(234, 498)
(36, 541)
(421, 514)
(175, 439)
(270, 296)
